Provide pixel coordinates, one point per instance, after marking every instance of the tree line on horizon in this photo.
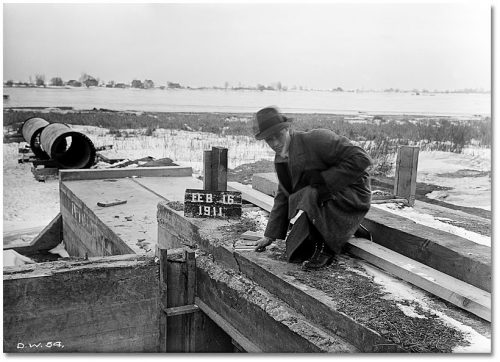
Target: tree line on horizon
(91, 81)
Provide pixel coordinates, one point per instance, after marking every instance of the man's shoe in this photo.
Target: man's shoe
(321, 258)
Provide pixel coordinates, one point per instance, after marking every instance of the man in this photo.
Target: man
(323, 186)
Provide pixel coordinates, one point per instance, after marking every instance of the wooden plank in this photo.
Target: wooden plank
(188, 229)
(191, 276)
(93, 174)
(90, 306)
(207, 170)
(461, 294)
(251, 235)
(253, 196)
(109, 203)
(182, 310)
(448, 253)
(387, 201)
(262, 318)
(481, 225)
(209, 337)
(48, 238)
(244, 342)
(219, 169)
(20, 237)
(163, 294)
(266, 183)
(178, 326)
(190, 297)
(46, 163)
(277, 277)
(405, 181)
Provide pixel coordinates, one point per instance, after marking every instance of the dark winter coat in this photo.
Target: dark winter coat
(344, 169)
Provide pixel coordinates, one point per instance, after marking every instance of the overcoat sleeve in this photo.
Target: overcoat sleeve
(277, 224)
(345, 161)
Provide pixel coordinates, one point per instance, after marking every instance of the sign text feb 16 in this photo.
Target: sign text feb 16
(212, 204)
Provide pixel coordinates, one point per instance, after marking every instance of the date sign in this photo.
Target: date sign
(212, 204)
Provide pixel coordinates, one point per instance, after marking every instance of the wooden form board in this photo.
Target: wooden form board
(276, 276)
(127, 228)
(99, 305)
(463, 295)
(180, 232)
(183, 327)
(405, 182)
(242, 341)
(266, 322)
(168, 171)
(44, 239)
(251, 195)
(85, 231)
(448, 253)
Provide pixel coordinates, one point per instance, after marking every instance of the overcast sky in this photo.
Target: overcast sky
(327, 45)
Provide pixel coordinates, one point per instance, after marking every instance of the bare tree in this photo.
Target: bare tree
(40, 80)
(56, 81)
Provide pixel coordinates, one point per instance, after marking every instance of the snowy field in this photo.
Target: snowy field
(28, 203)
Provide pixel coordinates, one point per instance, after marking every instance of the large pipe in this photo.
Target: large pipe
(31, 130)
(68, 148)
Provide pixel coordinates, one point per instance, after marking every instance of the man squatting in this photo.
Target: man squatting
(323, 185)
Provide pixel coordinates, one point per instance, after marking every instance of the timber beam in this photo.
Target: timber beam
(267, 323)
(97, 174)
(308, 294)
(448, 253)
(177, 231)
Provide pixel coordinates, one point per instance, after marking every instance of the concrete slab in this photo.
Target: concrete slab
(127, 228)
(343, 299)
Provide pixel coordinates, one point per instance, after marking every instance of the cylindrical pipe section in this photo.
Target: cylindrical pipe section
(68, 148)
(31, 130)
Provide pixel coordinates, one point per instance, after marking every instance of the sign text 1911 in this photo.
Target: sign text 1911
(212, 204)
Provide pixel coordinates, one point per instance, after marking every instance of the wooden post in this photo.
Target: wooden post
(190, 332)
(207, 170)
(163, 299)
(405, 180)
(215, 169)
(219, 169)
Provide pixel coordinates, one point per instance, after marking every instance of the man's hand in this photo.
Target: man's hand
(262, 243)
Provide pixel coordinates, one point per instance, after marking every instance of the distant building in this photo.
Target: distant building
(173, 85)
(73, 83)
(136, 83)
(91, 82)
(148, 84)
(121, 85)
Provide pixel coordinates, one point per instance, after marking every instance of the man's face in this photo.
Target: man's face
(279, 141)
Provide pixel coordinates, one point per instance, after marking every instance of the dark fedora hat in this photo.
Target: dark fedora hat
(268, 121)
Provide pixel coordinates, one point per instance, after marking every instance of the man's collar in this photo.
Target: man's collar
(280, 159)
(284, 157)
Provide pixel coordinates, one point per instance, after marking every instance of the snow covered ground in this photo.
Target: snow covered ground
(28, 203)
(402, 291)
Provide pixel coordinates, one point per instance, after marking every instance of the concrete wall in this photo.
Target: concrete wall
(84, 233)
(105, 305)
